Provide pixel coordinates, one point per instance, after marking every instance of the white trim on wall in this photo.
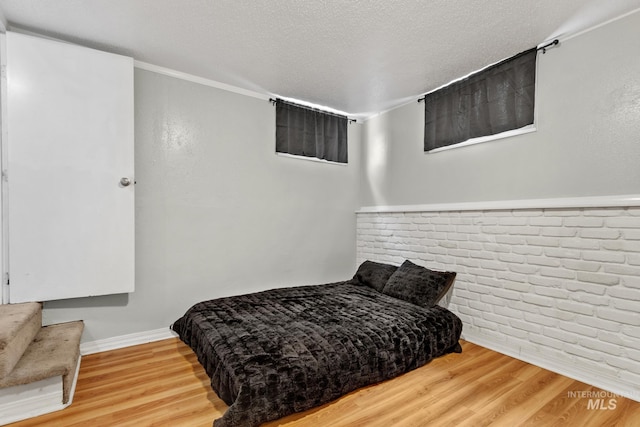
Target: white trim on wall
(200, 80)
(3, 22)
(4, 225)
(564, 38)
(488, 138)
(128, 340)
(310, 159)
(629, 200)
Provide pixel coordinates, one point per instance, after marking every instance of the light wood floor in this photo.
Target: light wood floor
(162, 384)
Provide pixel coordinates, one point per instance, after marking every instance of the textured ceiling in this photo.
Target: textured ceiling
(357, 56)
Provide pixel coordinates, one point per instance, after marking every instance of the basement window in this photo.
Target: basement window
(496, 102)
(310, 132)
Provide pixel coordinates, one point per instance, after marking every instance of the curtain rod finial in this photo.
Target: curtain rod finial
(550, 44)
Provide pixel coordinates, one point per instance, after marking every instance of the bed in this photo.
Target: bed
(273, 353)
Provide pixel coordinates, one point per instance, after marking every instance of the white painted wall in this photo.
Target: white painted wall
(559, 288)
(587, 143)
(218, 212)
(556, 287)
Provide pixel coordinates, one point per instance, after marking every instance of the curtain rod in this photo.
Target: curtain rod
(273, 101)
(550, 44)
(542, 48)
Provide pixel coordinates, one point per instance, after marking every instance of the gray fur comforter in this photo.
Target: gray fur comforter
(273, 353)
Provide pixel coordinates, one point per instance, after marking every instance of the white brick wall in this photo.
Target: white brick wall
(556, 287)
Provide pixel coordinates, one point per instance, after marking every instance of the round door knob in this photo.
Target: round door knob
(125, 182)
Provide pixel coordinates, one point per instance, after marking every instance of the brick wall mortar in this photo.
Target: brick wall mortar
(545, 283)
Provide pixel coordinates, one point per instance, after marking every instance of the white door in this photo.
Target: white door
(69, 156)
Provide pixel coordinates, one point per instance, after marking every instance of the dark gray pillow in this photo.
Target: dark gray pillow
(418, 285)
(374, 274)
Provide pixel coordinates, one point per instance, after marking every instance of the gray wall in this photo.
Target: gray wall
(218, 212)
(587, 142)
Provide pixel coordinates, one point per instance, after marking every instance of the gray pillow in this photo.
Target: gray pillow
(418, 285)
(374, 274)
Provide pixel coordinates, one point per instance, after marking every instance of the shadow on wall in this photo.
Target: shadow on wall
(63, 310)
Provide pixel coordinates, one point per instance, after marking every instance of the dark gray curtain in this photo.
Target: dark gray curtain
(494, 100)
(305, 131)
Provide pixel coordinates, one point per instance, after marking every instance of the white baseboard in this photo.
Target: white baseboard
(45, 396)
(557, 366)
(560, 367)
(126, 340)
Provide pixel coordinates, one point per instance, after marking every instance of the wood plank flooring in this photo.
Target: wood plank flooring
(162, 384)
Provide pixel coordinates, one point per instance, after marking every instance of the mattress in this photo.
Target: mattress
(273, 353)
